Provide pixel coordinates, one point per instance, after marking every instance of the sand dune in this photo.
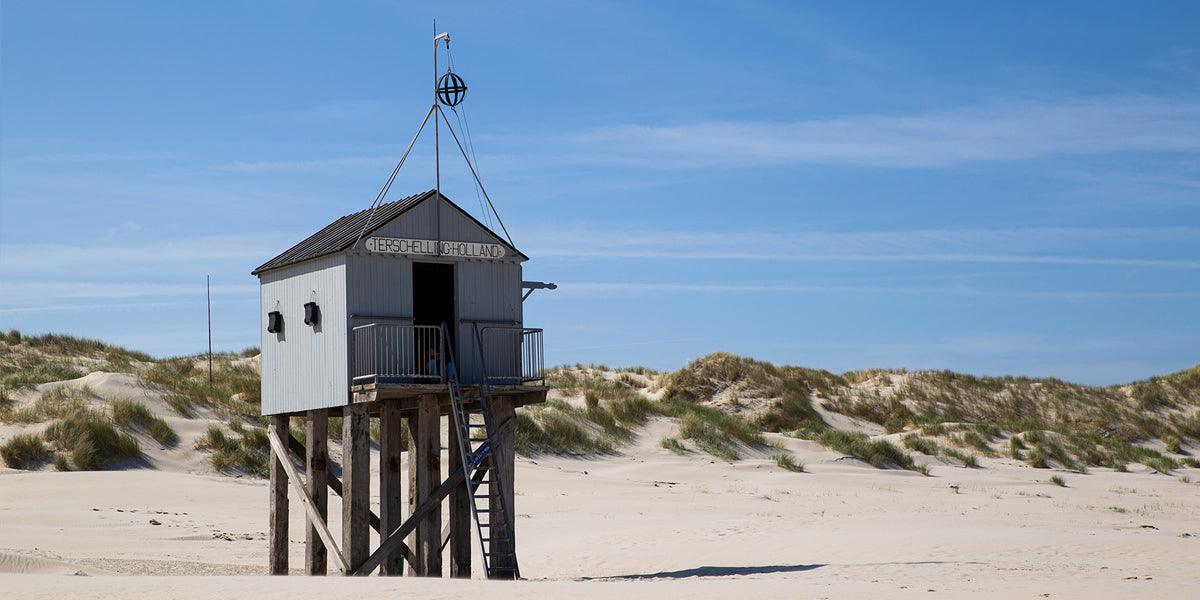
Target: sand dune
(640, 522)
(649, 524)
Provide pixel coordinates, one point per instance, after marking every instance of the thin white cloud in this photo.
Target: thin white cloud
(1066, 246)
(247, 250)
(30, 291)
(999, 132)
(592, 288)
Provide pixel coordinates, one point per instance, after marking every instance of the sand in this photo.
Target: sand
(645, 524)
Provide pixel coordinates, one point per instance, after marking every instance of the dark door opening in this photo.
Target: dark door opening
(433, 298)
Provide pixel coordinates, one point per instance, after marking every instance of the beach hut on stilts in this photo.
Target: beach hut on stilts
(409, 311)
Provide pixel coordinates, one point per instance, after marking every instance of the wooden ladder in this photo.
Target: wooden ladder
(477, 440)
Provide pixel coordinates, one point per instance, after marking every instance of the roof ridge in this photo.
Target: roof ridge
(346, 230)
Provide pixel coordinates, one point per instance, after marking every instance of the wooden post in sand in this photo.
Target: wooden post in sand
(504, 540)
(460, 513)
(356, 483)
(278, 526)
(424, 474)
(391, 501)
(316, 462)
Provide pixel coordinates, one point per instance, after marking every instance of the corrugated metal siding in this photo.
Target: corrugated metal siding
(378, 290)
(305, 367)
(487, 293)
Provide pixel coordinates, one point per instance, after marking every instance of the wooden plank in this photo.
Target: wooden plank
(356, 479)
(504, 461)
(459, 527)
(396, 538)
(424, 469)
(277, 562)
(391, 500)
(335, 484)
(363, 396)
(322, 528)
(316, 463)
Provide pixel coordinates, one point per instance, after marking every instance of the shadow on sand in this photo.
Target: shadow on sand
(708, 571)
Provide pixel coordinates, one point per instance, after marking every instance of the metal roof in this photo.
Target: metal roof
(342, 233)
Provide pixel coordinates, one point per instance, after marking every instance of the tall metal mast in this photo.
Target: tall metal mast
(437, 146)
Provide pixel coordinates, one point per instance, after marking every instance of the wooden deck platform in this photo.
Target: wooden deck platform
(406, 397)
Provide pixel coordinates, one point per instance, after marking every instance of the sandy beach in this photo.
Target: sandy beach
(647, 524)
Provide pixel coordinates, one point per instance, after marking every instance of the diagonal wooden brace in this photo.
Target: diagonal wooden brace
(395, 540)
(335, 485)
(315, 517)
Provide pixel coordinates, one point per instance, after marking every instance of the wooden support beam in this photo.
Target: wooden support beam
(424, 468)
(277, 563)
(460, 514)
(504, 462)
(335, 486)
(316, 464)
(356, 475)
(278, 449)
(396, 538)
(391, 501)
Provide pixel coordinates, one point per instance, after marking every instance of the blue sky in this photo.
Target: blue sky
(986, 187)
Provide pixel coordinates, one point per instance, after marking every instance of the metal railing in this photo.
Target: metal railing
(398, 353)
(511, 355)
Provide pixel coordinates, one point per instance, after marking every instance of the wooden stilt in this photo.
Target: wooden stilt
(316, 462)
(391, 446)
(503, 544)
(460, 514)
(278, 536)
(424, 472)
(356, 484)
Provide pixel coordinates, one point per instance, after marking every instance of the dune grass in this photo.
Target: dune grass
(91, 441)
(55, 403)
(880, 454)
(236, 389)
(913, 441)
(972, 439)
(705, 377)
(672, 444)
(23, 451)
(132, 414)
(708, 437)
(246, 453)
(559, 428)
(966, 458)
(711, 430)
(1058, 480)
(32, 360)
(1015, 446)
(788, 463)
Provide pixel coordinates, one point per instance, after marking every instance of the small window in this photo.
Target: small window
(312, 314)
(274, 322)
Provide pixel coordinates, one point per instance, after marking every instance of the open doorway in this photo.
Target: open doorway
(433, 297)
